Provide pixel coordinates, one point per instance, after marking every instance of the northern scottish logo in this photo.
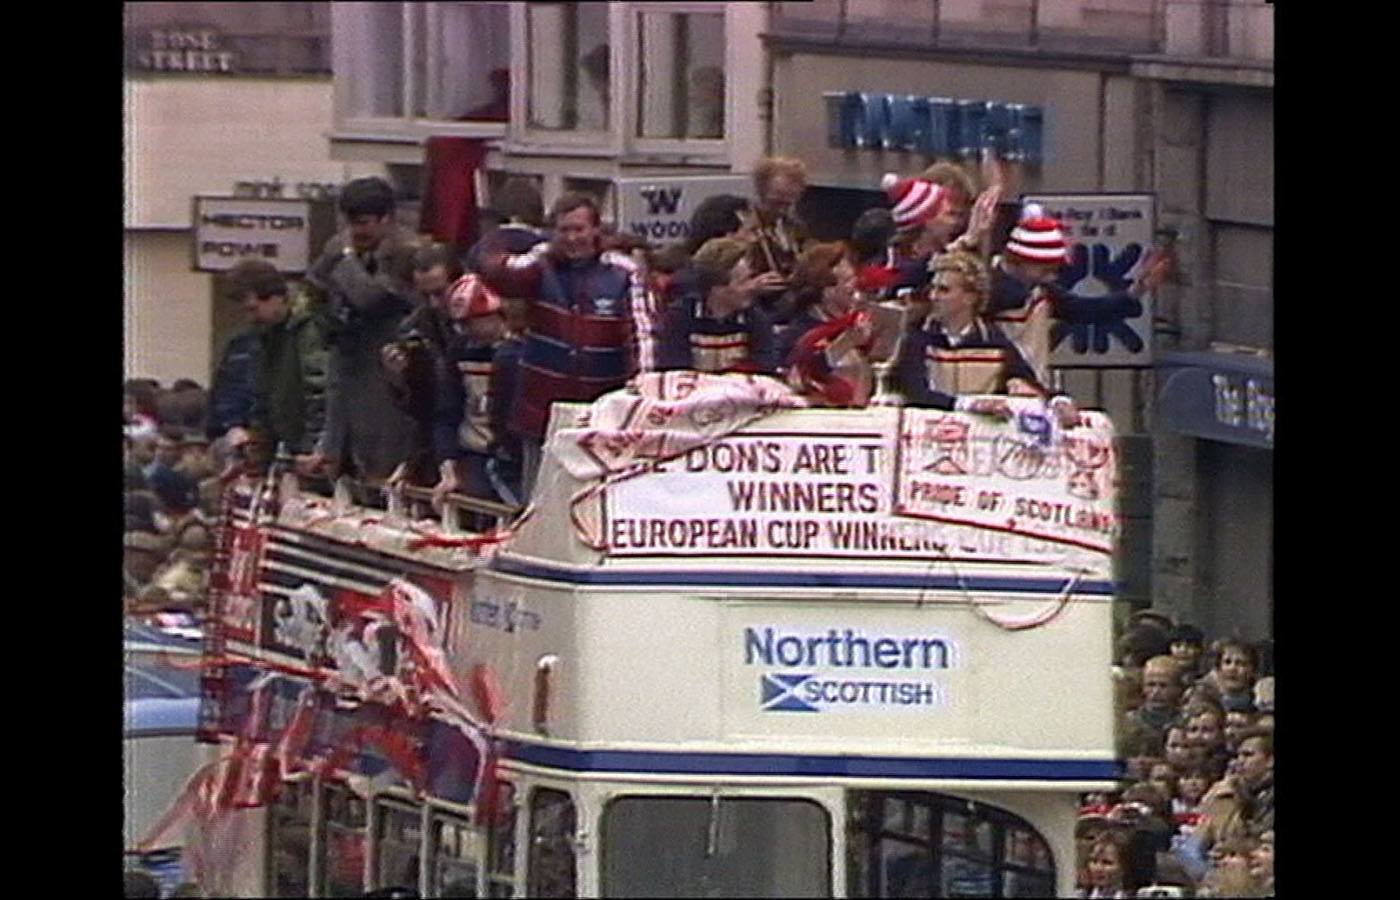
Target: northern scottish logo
(778, 693)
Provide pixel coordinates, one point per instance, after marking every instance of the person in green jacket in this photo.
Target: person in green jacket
(289, 395)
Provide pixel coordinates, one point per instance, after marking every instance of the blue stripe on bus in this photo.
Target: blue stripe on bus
(809, 766)
(810, 579)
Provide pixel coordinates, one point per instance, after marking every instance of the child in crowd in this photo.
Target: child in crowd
(1106, 871)
(1191, 787)
(1187, 642)
(1163, 777)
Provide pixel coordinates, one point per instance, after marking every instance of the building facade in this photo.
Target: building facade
(221, 99)
(572, 96)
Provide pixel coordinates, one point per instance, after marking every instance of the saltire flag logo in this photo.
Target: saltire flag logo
(778, 693)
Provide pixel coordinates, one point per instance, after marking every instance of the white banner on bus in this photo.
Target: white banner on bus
(1026, 477)
(770, 494)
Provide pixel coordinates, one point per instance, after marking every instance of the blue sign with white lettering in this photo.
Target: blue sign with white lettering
(935, 126)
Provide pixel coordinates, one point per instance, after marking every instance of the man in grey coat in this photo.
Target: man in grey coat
(362, 283)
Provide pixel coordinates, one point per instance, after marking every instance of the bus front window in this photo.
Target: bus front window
(289, 840)
(916, 844)
(344, 847)
(725, 847)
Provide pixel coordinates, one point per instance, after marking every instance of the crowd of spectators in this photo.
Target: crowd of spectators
(1196, 737)
(170, 479)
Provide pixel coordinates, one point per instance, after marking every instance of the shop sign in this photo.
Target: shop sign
(659, 209)
(1106, 322)
(934, 126)
(228, 229)
(185, 50)
(1217, 396)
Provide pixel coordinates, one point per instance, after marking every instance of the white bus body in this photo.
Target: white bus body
(837, 701)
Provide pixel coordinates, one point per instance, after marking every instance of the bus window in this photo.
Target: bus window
(398, 837)
(289, 840)
(932, 845)
(500, 843)
(552, 871)
(344, 869)
(1027, 862)
(715, 847)
(453, 857)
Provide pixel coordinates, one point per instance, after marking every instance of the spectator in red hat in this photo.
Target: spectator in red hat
(1026, 297)
(1023, 292)
(925, 218)
(464, 435)
(956, 219)
(715, 326)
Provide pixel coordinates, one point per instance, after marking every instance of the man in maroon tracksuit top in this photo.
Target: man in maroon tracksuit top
(589, 320)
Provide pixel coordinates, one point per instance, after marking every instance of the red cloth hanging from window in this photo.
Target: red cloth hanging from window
(449, 195)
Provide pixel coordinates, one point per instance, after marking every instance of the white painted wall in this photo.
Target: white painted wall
(168, 309)
(187, 136)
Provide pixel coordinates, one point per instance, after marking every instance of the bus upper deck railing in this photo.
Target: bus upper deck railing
(404, 501)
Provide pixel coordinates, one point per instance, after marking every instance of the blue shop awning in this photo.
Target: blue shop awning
(1227, 397)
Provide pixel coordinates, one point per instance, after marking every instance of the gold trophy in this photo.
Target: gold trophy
(888, 321)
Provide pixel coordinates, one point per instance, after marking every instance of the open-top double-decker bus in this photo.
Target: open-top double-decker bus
(858, 653)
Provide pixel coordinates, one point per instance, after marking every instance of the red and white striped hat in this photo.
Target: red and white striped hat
(1037, 237)
(469, 297)
(915, 200)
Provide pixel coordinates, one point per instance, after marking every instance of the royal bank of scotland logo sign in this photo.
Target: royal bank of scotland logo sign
(778, 693)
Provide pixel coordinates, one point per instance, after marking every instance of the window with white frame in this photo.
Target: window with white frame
(443, 61)
(468, 62)
(681, 83)
(570, 66)
(368, 41)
